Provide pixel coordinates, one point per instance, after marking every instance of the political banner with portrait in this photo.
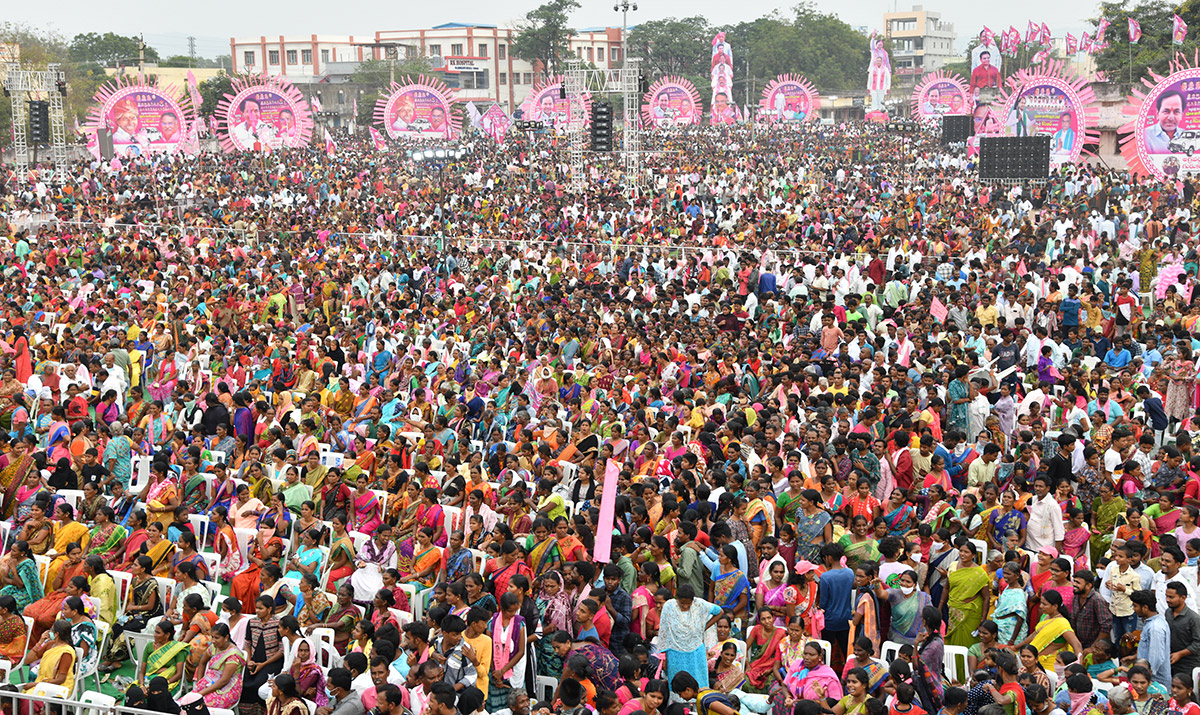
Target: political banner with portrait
(938, 95)
(421, 107)
(1048, 100)
(789, 98)
(1164, 139)
(879, 73)
(548, 103)
(142, 117)
(671, 102)
(987, 65)
(262, 114)
(723, 111)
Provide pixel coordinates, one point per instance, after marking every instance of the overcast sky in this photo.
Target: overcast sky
(167, 25)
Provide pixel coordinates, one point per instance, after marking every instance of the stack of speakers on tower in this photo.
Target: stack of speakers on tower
(1014, 158)
(956, 128)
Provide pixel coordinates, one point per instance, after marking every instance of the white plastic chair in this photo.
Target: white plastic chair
(102, 632)
(478, 559)
(137, 643)
(213, 561)
(983, 550)
(141, 473)
(43, 566)
(165, 586)
(244, 537)
(214, 592)
(889, 651)
(46, 690)
(544, 687)
(72, 497)
(124, 582)
(358, 538)
(953, 655)
(1100, 686)
(5, 531)
(827, 647)
(202, 526)
(453, 516)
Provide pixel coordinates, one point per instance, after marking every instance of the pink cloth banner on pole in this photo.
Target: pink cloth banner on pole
(608, 505)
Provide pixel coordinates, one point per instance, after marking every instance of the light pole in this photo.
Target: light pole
(623, 7)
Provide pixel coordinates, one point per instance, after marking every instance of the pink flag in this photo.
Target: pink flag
(377, 139)
(194, 91)
(1178, 30)
(1045, 38)
(938, 310)
(1085, 43)
(1073, 43)
(330, 147)
(1135, 31)
(987, 35)
(212, 124)
(1040, 56)
(1031, 32)
(1100, 30)
(115, 164)
(608, 503)
(315, 102)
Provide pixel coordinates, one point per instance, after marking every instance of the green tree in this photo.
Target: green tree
(673, 46)
(366, 109)
(543, 35)
(1123, 62)
(377, 74)
(213, 91)
(109, 49)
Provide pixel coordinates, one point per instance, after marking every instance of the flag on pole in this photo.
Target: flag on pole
(1045, 38)
(1041, 56)
(354, 110)
(1135, 31)
(377, 139)
(1179, 30)
(473, 115)
(1073, 43)
(315, 102)
(1031, 32)
(1101, 28)
(212, 124)
(1085, 43)
(987, 35)
(330, 147)
(194, 91)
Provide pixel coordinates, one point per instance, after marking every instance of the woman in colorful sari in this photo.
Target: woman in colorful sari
(864, 604)
(762, 652)
(316, 602)
(858, 543)
(107, 540)
(23, 470)
(37, 529)
(195, 489)
(509, 637)
(907, 604)
(118, 455)
(367, 509)
(159, 549)
(555, 614)
(730, 589)
(426, 560)
(295, 492)
(143, 606)
(341, 551)
(808, 678)
(968, 595)
(788, 503)
(900, 516)
(224, 490)
(772, 590)
(1011, 615)
(1053, 632)
(370, 561)
(157, 426)
(58, 439)
(429, 515)
(1005, 519)
(265, 549)
(459, 559)
(26, 495)
(12, 630)
(187, 553)
(404, 508)
(225, 544)
(1109, 510)
(308, 557)
(221, 684)
(725, 673)
(46, 609)
(133, 542)
(68, 531)
(161, 496)
(19, 575)
(542, 546)
(164, 657)
(343, 616)
(813, 526)
(570, 548)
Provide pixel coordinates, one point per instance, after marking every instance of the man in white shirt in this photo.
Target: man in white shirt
(1045, 526)
(1171, 563)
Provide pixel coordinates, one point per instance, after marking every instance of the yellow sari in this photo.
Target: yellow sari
(165, 494)
(104, 589)
(1048, 631)
(74, 532)
(161, 555)
(49, 665)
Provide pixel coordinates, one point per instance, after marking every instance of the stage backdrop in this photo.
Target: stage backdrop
(939, 94)
(545, 104)
(420, 107)
(723, 110)
(143, 116)
(1163, 136)
(788, 98)
(263, 113)
(671, 102)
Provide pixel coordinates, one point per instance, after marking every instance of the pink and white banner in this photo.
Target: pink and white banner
(495, 123)
(723, 110)
(377, 139)
(1179, 30)
(263, 113)
(1073, 43)
(608, 508)
(1135, 31)
(1045, 36)
(1031, 32)
(330, 146)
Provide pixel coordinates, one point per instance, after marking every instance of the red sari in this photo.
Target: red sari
(758, 668)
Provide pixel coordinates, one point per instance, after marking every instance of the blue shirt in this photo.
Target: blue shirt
(1154, 647)
(1117, 359)
(1070, 310)
(834, 595)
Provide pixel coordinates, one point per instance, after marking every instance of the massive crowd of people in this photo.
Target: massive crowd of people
(802, 420)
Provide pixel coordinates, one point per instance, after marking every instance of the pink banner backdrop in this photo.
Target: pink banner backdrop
(1164, 134)
(723, 110)
(495, 123)
(263, 113)
(671, 102)
(144, 118)
(939, 94)
(418, 108)
(1048, 100)
(608, 505)
(545, 104)
(788, 98)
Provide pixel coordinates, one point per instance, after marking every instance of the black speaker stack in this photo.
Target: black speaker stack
(1014, 158)
(957, 128)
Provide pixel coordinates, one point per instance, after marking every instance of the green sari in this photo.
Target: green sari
(965, 605)
(543, 556)
(161, 661)
(1107, 515)
(294, 496)
(865, 550)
